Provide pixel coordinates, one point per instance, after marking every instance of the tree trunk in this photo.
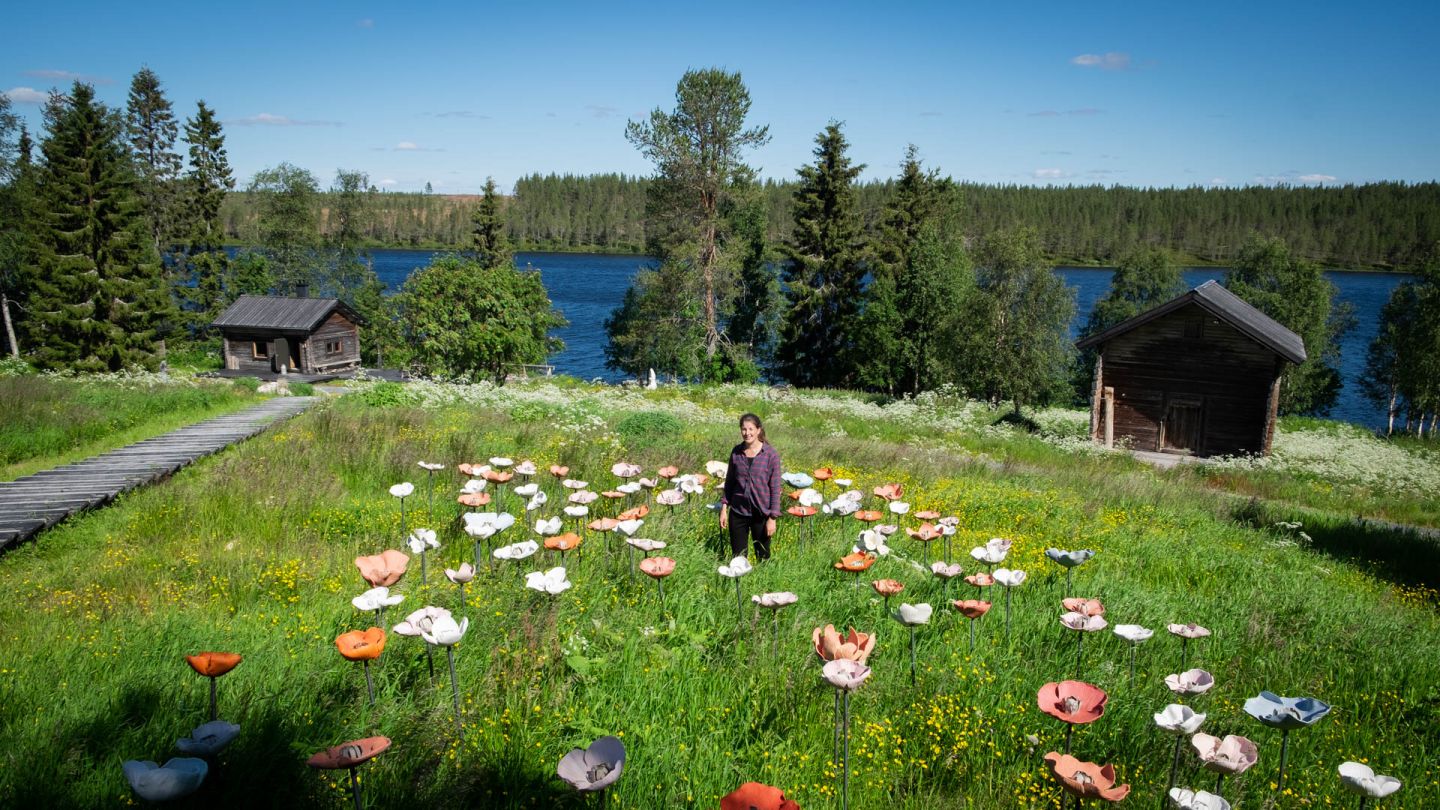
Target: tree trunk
(9, 327)
(708, 260)
(1390, 422)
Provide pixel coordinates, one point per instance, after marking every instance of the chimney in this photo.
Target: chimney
(302, 289)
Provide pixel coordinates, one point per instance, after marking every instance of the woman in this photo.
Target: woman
(751, 501)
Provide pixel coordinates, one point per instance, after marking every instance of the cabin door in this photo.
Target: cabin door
(1180, 431)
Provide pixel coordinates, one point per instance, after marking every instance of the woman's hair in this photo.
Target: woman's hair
(750, 417)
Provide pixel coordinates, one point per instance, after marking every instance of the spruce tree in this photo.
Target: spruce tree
(489, 243)
(15, 180)
(825, 270)
(203, 192)
(98, 295)
(151, 129)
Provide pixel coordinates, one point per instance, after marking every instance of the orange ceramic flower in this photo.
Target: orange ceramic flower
(465, 468)
(823, 474)
(350, 754)
(925, 533)
(927, 514)
(801, 511)
(474, 500)
(559, 471)
(658, 567)
(702, 479)
(213, 664)
(887, 587)
(603, 524)
(361, 645)
(498, 476)
(980, 579)
(890, 492)
(635, 512)
(383, 569)
(859, 561)
(1085, 607)
(831, 646)
(1086, 779)
(868, 515)
(562, 542)
(668, 471)
(971, 608)
(1074, 702)
(794, 495)
(613, 495)
(755, 796)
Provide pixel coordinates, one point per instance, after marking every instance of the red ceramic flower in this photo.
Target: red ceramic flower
(823, 474)
(668, 471)
(467, 469)
(890, 492)
(1085, 607)
(383, 569)
(1086, 779)
(869, 515)
(559, 471)
(635, 512)
(927, 514)
(755, 796)
(498, 476)
(474, 500)
(971, 608)
(887, 587)
(213, 664)
(980, 580)
(350, 754)
(361, 645)
(603, 524)
(925, 533)
(831, 646)
(801, 511)
(859, 561)
(1074, 702)
(658, 567)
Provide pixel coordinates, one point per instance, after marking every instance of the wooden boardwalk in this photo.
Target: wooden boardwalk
(31, 504)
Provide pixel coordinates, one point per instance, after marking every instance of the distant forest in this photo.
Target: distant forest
(1379, 225)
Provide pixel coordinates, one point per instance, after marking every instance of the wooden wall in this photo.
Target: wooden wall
(336, 327)
(239, 353)
(1190, 356)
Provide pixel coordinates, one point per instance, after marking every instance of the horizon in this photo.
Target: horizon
(1279, 94)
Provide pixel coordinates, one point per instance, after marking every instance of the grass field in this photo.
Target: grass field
(251, 551)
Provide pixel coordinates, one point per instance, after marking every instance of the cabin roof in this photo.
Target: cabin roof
(1226, 306)
(282, 314)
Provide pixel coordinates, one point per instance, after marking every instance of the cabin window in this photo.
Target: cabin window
(260, 349)
(333, 346)
(1194, 328)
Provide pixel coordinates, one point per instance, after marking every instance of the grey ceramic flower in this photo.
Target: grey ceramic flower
(1286, 713)
(1069, 559)
(593, 768)
(1363, 780)
(175, 779)
(799, 480)
(208, 739)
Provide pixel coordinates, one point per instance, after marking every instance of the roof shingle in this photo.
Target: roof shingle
(281, 314)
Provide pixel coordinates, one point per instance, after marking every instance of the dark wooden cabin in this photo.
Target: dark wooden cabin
(264, 333)
(1197, 375)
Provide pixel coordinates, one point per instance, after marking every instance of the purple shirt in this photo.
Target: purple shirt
(752, 485)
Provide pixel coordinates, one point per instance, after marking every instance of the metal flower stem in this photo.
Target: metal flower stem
(1219, 780)
(739, 602)
(660, 583)
(1132, 666)
(972, 635)
(213, 715)
(1175, 763)
(430, 492)
(845, 766)
(462, 594)
(1184, 651)
(369, 683)
(403, 533)
(454, 687)
(947, 546)
(947, 589)
(1069, 736)
(424, 568)
(775, 633)
(355, 788)
(835, 738)
(630, 558)
(430, 661)
(912, 655)
(1079, 643)
(1362, 802)
(1068, 572)
(1284, 748)
(1007, 614)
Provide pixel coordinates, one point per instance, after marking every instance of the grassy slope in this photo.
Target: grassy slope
(53, 420)
(102, 610)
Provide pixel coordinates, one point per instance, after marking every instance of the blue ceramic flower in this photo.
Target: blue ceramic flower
(177, 778)
(799, 480)
(1286, 713)
(1069, 559)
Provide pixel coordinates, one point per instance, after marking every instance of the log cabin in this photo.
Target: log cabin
(266, 333)
(1198, 375)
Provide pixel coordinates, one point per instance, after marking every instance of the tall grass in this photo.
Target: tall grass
(251, 551)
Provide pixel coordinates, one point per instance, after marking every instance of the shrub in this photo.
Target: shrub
(250, 384)
(385, 395)
(645, 427)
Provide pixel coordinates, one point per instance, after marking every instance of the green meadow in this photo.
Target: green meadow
(251, 551)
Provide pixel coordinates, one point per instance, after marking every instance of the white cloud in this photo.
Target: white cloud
(1048, 174)
(389, 181)
(1079, 111)
(1316, 178)
(69, 76)
(1293, 177)
(602, 110)
(1114, 60)
(272, 120)
(1217, 181)
(407, 146)
(26, 95)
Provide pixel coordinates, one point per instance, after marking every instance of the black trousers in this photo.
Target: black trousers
(742, 526)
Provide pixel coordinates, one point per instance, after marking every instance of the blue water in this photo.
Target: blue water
(587, 287)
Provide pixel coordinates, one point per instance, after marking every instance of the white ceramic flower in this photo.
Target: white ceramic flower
(1362, 779)
(445, 631)
(501, 461)
(899, 507)
(577, 511)
(465, 573)
(421, 539)
(1190, 682)
(872, 542)
(645, 545)
(841, 506)
(842, 673)
(1133, 633)
(648, 483)
(1081, 622)
(584, 497)
(738, 567)
(376, 598)
(571, 483)
(946, 570)
(670, 497)
(629, 487)
(487, 524)
(429, 466)
(517, 551)
(1179, 719)
(1009, 578)
(886, 529)
(421, 621)
(403, 490)
(716, 469)
(1187, 799)
(914, 615)
(1188, 630)
(473, 486)
(536, 501)
(988, 554)
(526, 467)
(843, 482)
(547, 526)
(629, 527)
(551, 582)
(624, 470)
(776, 600)
(810, 497)
(526, 490)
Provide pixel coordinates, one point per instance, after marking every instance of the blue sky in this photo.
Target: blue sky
(1144, 94)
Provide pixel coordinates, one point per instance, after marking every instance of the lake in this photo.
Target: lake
(587, 286)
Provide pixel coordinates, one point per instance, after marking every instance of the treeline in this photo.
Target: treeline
(1376, 225)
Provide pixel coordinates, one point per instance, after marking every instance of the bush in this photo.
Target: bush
(385, 395)
(15, 367)
(645, 427)
(250, 384)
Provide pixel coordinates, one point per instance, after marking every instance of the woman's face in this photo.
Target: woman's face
(749, 432)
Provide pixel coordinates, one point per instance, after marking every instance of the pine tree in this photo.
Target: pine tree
(206, 264)
(825, 271)
(98, 296)
(489, 243)
(151, 129)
